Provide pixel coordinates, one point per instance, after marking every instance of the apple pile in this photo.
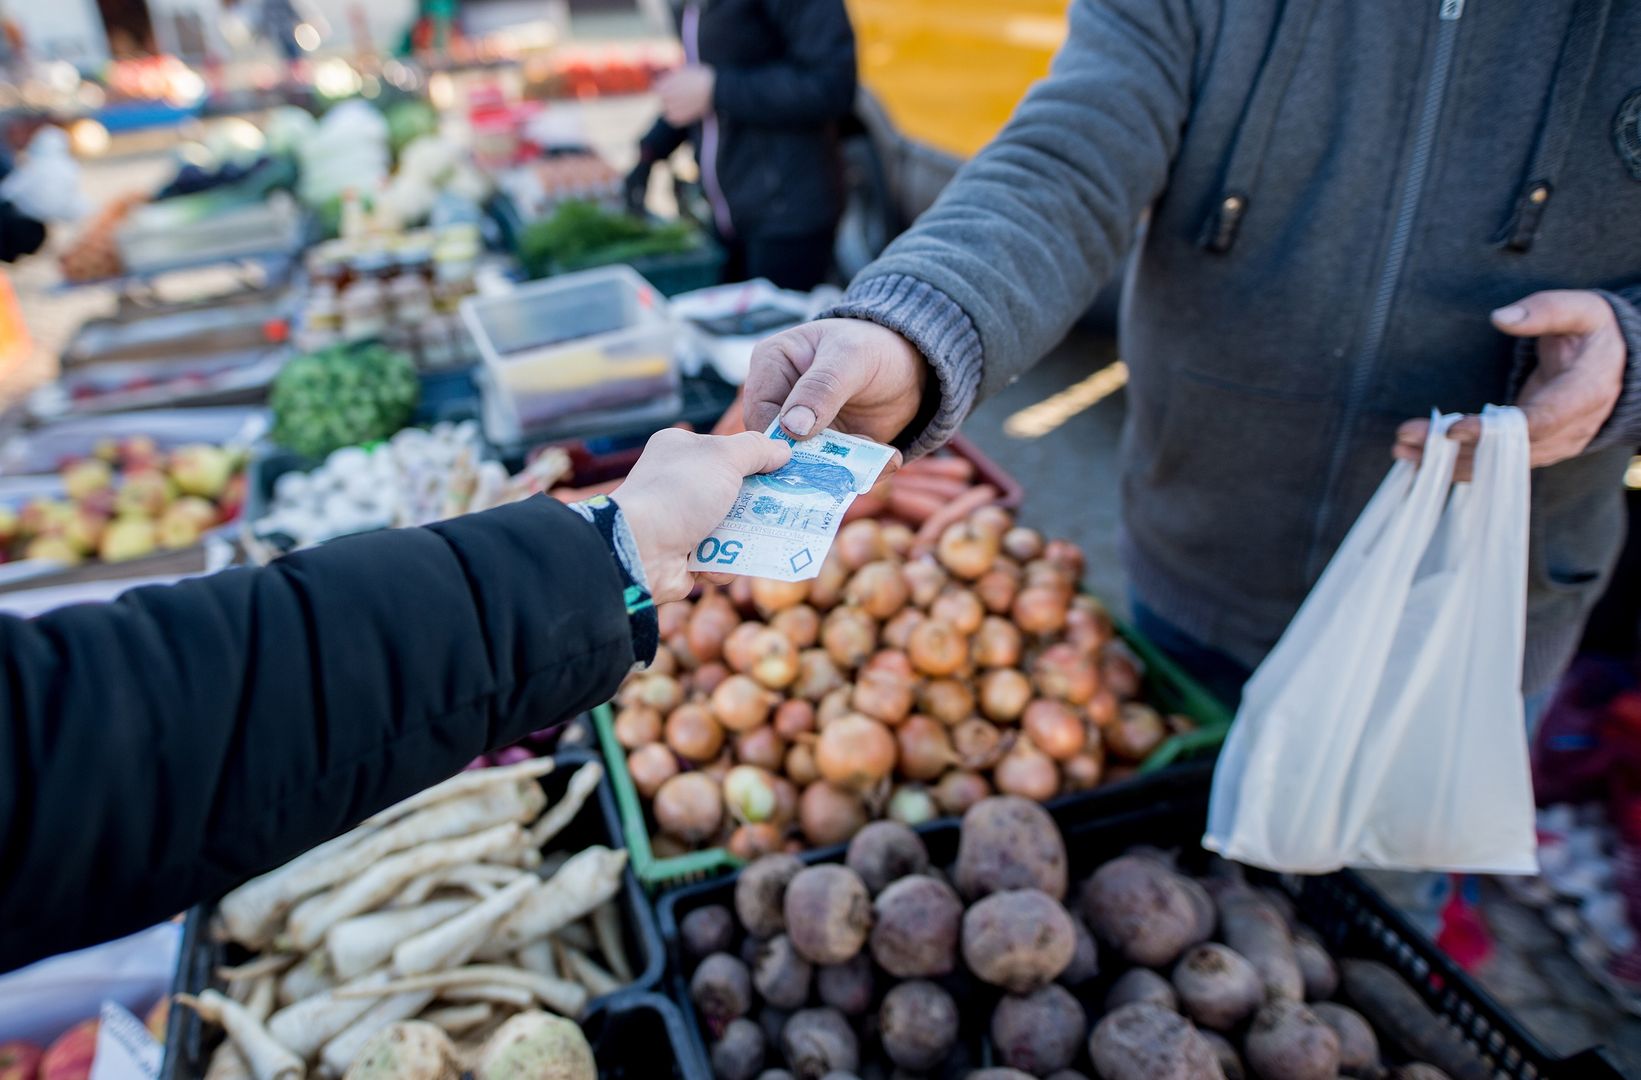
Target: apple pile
(898, 683)
(72, 1054)
(128, 500)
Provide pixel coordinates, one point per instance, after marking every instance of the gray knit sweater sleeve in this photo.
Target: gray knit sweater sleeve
(1019, 244)
(1623, 427)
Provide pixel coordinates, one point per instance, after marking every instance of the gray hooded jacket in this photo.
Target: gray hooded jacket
(1339, 195)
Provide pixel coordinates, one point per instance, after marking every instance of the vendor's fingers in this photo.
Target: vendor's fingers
(775, 368)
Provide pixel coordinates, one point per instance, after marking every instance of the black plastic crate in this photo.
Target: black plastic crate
(188, 1044)
(1169, 809)
(641, 1036)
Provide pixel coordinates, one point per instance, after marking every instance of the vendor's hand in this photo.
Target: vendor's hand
(1571, 392)
(851, 374)
(686, 94)
(680, 490)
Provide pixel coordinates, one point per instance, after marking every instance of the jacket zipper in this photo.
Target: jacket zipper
(1373, 339)
(709, 131)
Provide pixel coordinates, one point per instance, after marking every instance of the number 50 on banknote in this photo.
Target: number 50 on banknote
(783, 523)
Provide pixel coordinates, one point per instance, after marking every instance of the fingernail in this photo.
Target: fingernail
(1513, 314)
(800, 420)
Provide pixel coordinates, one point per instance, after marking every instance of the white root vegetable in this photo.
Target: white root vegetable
(364, 942)
(251, 912)
(480, 879)
(582, 784)
(341, 1051)
(407, 1050)
(538, 957)
(227, 1064)
(587, 880)
(259, 1003)
(579, 966)
(611, 943)
(274, 895)
(268, 964)
(462, 784)
(268, 1060)
(460, 1019)
(560, 995)
(452, 942)
(381, 881)
(516, 997)
(309, 976)
(309, 1024)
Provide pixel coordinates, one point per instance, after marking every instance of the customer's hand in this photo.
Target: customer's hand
(1569, 395)
(681, 488)
(686, 94)
(850, 374)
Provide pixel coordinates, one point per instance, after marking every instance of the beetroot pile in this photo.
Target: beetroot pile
(899, 683)
(885, 966)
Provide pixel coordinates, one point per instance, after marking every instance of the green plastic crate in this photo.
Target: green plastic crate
(1168, 685)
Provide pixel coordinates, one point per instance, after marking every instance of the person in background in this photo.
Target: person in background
(760, 95)
(161, 749)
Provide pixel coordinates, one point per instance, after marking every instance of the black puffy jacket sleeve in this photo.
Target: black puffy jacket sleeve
(160, 749)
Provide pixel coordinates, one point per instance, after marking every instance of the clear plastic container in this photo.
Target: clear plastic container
(579, 353)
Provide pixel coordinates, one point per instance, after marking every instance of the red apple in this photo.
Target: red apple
(19, 1061)
(70, 1057)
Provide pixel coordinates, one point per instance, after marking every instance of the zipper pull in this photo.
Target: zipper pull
(1452, 10)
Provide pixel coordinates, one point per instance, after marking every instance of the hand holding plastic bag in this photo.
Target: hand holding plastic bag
(1385, 728)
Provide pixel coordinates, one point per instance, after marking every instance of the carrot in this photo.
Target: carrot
(938, 486)
(865, 506)
(950, 514)
(912, 506)
(953, 468)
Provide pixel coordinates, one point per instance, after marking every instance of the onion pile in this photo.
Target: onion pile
(895, 684)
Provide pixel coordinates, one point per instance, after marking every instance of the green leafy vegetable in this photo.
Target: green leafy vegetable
(342, 396)
(582, 234)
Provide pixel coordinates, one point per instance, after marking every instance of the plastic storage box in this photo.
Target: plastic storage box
(573, 354)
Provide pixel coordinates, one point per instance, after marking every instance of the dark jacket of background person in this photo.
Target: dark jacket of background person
(784, 75)
(163, 748)
(1339, 196)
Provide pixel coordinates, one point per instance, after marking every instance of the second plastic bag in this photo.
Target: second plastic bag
(1385, 728)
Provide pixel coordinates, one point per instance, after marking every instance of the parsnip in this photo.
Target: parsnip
(452, 942)
(339, 1052)
(516, 997)
(268, 1060)
(460, 1019)
(376, 884)
(611, 942)
(364, 942)
(252, 912)
(259, 1003)
(309, 976)
(580, 967)
(582, 784)
(267, 964)
(227, 1063)
(561, 996)
(462, 784)
(309, 1024)
(538, 957)
(587, 880)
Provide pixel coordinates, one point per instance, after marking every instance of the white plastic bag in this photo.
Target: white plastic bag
(1385, 728)
(46, 186)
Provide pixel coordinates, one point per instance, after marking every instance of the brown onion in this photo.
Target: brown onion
(750, 842)
(978, 744)
(882, 695)
(960, 607)
(997, 644)
(1041, 609)
(786, 802)
(770, 596)
(855, 752)
(651, 766)
(967, 551)
(828, 814)
(1137, 732)
(678, 645)
(1054, 728)
(911, 804)
(1121, 671)
(719, 767)
(948, 700)
(1103, 707)
(997, 589)
(1065, 672)
(925, 751)
(1004, 694)
(761, 747)
(1067, 556)
(1022, 543)
(740, 594)
(1044, 573)
(794, 718)
(672, 618)
(817, 675)
(693, 734)
(937, 649)
(800, 764)
(637, 725)
(774, 659)
(898, 630)
(992, 520)
(958, 790)
(738, 646)
(898, 537)
(833, 706)
(740, 704)
(849, 636)
(1086, 630)
(1086, 769)
(1028, 772)
(749, 792)
(924, 578)
(707, 678)
(664, 662)
(708, 628)
(800, 624)
(858, 543)
(689, 807)
(826, 588)
(892, 662)
(877, 589)
(663, 693)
